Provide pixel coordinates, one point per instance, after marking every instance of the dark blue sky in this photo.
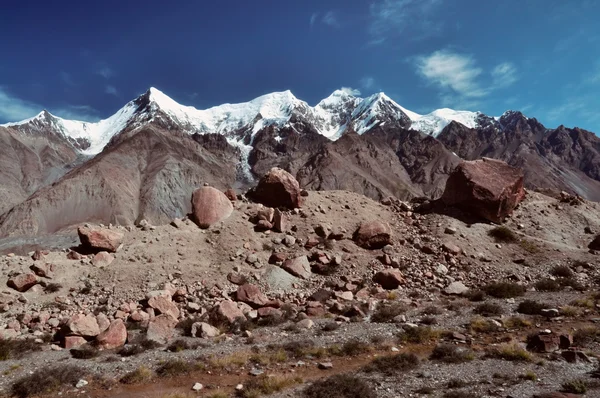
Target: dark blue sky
(85, 60)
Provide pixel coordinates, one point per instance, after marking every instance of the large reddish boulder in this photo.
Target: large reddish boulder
(227, 311)
(389, 279)
(22, 282)
(251, 295)
(164, 305)
(113, 337)
(277, 188)
(373, 235)
(299, 267)
(161, 328)
(209, 206)
(100, 239)
(487, 187)
(84, 325)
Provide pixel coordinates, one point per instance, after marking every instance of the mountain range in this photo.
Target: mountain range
(144, 161)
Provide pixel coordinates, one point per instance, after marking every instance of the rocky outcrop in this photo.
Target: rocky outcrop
(209, 206)
(373, 235)
(277, 188)
(96, 239)
(114, 336)
(488, 188)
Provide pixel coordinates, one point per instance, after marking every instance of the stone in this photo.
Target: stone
(164, 305)
(456, 288)
(44, 270)
(103, 259)
(204, 330)
(281, 222)
(103, 321)
(161, 328)
(209, 206)
(595, 244)
(373, 235)
(73, 255)
(325, 365)
(231, 195)
(265, 312)
(228, 311)
(265, 213)
(22, 282)
(197, 387)
(550, 312)
(277, 258)
(251, 294)
(236, 279)
(81, 383)
(574, 356)
(450, 230)
(543, 343)
(451, 248)
(263, 225)
(389, 279)
(487, 187)
(277, 188)
(113, 337)
(305, 324)
(298, 266)
(74, 342)
(83, 325)
(97, 239)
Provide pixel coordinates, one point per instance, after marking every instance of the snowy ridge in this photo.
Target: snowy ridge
(331, 117)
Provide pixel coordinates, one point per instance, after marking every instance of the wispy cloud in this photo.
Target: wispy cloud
(105, 71)
(350, 90)
(414, 19)
(330, 18)
(13, 109)
(504, 74)
(453, 72)
(66, 78)
(462, 83)
(367, 83)
(111, 90)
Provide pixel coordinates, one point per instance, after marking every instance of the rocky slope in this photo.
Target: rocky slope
(372, 146)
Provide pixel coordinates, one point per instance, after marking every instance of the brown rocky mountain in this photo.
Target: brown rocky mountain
(145, 161)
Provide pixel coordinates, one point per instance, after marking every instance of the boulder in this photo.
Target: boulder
(102, 259)
(373, 235)
(160, 329)
(456, 288)
(251, 295)
(488, 188)
(277, 188)
(45, 270)
(227, 311)
(74, 342)
(298, 266)
(209, 206)
(113, 337)
(100, 239)
(595, 244)
(84, 325)
(231, 195)
(389, 279)
(164, 305)
(22, 282)
(204, 330)
(280, 221)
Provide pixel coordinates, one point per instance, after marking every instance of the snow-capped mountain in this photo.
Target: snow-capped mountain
(331, 117)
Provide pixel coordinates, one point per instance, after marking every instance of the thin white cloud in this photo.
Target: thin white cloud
(367, 83)
(330, 19)
(111, 90)
(350, 91)
(66, 78)
(504, 74)
(413, 19)
(453, 72)
(313, 18)
(14, 109)
(106, 72)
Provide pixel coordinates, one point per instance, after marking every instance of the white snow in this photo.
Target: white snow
(331, 117)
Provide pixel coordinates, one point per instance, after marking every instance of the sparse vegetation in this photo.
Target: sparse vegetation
(562, 271)
(47, 380)
(181, 345)
(504, 289)
(459, 394)
(85, 352)
(174, 367)
(52, 287)
(531, 307)
(475, 295)
(432, 310)
(489, 309)
(386, 312)
(450, 353)
(585, 336)
(418, 335)
(457, 383)
(529, 375)
(548, 285)
(342, 386)
(570, 311)
(482, 325)
(330, 326)
(17, 348)
(529, 246)
(577, 386)
(503, 234)
(140, 375)
(510, 352)
(392, 364)
(266, 385)
(515, 322)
